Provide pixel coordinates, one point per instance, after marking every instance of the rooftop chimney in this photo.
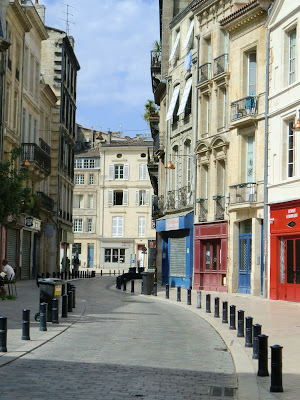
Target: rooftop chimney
(40, 8)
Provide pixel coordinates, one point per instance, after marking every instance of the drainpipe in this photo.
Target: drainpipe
(196, 126)
(167, 156)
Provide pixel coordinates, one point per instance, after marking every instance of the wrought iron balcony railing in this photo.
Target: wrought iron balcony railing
(181, 198)
(243, 193)
(155, 58)
(220, 64)
(157, 206)
(33, 153)
(202, 209)
(47, 202)
(45, 146)
(244, 107)
(204, 72)
(219, 206)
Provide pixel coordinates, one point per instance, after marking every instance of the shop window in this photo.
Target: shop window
(212, 255)
(114, 255)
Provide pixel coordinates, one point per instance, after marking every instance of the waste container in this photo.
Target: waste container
(148, 282)
(50, 288)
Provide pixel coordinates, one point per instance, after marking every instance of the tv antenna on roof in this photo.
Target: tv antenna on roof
(67, 21)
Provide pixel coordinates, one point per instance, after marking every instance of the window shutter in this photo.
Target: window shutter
(114, 226)
(143, 171)
(137, 200)
(252, 74)
(147, 197)
(126, 172)
(111, 172)
(120, 226)
(76, 201)
(125, 197)
(110, 197)
(142, 226)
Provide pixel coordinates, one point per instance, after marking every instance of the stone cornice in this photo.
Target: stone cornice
(36, 21)
(19, 13)
(49, 94)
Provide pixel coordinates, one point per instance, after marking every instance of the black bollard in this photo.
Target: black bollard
(262, 355)
(256, 332)
(208, 303)
(232, 318)
(69, 273)
(178, 293)
(101, 272)
(217, 307)
(225, 312)
(249, 323)
(154, 289)
(189, 297)
(198, 299)
(167, 291)
(73, 288)
(61, 275)
(124, 286)
(241, 326)
(66, 275)
(43, 316)
(132, 286)
(64, 307)
(276, 368)
(26, 324)
(3, 334)
(114, 272)
(142, 287)
(73, 274)
(70, 301)
(63, 289)
(110, 272)
(55, 311)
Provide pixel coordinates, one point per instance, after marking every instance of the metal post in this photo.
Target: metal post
(132, 286)
(241, 325)
(101, 272)
(189, 297)
(178, 293)
(73, 288)
(276, 368)
(208, 303)
(64, 307)
(55, 311)
(232, 318)
(142, 287)
(198, 299)
(225, 312)
(155, 289)
(256, 332)
(249, 323)
(110, 272)
(3, 334)
(26, 324)
(63, 289)
(217, 307)
(43, 316)
(167, 290)
(124, 286)
(114, 272)
(262, 355)
(70, 301)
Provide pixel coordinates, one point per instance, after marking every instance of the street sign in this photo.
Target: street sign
(144, 250)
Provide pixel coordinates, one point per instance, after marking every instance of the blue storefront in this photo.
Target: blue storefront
(177, 238)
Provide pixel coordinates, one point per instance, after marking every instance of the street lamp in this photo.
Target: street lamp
(296, 127)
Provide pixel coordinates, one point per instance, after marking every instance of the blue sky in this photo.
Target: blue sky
(113, 40)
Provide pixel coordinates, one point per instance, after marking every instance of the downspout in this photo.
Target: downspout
(22, 91)
(102, 227)
(167, 156)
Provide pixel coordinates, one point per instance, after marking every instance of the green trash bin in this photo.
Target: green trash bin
(148, 282)
(50, 288)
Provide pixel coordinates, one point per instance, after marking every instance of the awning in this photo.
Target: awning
(173, 103)
(173, 52)
(189, 36)
(185, 96)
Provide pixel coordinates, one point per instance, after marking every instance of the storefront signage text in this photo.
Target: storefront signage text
(172, 224)
(292, 213)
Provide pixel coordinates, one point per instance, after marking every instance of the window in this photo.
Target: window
(31, 75)
(77, 225)
(118, 197)
(222, 105)
(118, 171)
(91, 179)
(114, 255)
(292, 56)
(205, 110)
(23, 125)
(76, 254)
(34, 130)
(89, 224)
(88, 163)
(90, 201)
(142, 226)
(252, 73)
(175, 49)
(7, 105)
(78, 163)
(187, 153)
(117, 226)
(250, 159)
(16, 110)
(78, 201)
(291, 151)
(176, 113)
(143, 172)
(79, 179)
(29, 128)
(142, 198)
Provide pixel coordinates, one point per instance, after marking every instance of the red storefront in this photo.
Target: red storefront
(285, 251)
(210, 265)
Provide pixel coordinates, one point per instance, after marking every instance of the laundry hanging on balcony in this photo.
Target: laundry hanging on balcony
(188, 61)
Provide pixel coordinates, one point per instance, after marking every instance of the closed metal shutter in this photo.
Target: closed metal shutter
(26, 250)
(178, 256)
(11, 250)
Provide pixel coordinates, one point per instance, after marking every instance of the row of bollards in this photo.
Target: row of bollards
(69, 274)
(68, 303)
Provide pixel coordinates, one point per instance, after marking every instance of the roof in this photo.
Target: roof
(88, 153)
(238, 13)
(128, 143)
(197, 3)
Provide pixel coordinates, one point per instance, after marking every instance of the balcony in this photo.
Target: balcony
(202, 209)
(220, 64)
(44, 146)
(35, 154)
(155, 69)
(204, 72)
(244, 109)
(243, 193)
(47, 202)
(157, 206)
(179, 199)
(219, 207)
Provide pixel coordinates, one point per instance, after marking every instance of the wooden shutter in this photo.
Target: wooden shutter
(137, 198)
(252, 73)
(125, 197)
(76, 201)
(143, 171)
(120, 226)
(142, 225)
(126, 172)
(114, 226)
(110, 197)
(147, 197)
(111, 171)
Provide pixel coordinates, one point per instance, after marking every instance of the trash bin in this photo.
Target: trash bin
(50, 288)
(148, 282)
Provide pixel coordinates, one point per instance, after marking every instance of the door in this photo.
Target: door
(90, 256)
(290, 274)
(245, 245)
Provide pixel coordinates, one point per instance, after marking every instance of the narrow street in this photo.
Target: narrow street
(124, 346)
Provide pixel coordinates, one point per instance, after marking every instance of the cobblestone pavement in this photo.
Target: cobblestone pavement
(124, 346)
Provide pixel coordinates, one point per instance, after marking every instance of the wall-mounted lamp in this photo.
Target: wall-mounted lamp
(25, 163)
(170, 165)
(296, 127)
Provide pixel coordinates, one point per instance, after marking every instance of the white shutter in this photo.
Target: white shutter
(185, 95)
(114, 226)
(137, 200)
(143, 169)
(110, 197)
(125, 197)
(126, 172)
(147, 197)
(188, 39)
(173, 102)
(76, 201)
(176, 44)
(120, 226)
(252, 73)
(111, 170)
(142, 225)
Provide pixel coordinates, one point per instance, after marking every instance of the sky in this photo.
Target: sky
(113, 40)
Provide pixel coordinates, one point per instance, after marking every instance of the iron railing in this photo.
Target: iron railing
(155, 58)
(243, 193)
(220, 64)
(181, 198)
(244, 107)
(33, 153)
(157, 206)
(44, 146)
(204, 72)
(202, 209)
(47, 202)
(219, 206)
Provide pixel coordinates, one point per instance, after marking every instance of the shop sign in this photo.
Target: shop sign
(172, 224)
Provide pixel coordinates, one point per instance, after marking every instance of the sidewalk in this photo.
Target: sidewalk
(280, 322)
(28, 297)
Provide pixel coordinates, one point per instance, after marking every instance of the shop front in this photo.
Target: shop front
(285, 251)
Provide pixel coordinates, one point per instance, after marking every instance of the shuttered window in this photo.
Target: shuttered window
(118, 171)
(252, 73)
(143, 172)
(292, 56)
(142, 226)
(117, 226)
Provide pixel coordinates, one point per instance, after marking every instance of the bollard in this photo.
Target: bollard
(225, 312)
(73, 288)
(69, 275)
(114, 272)
(256, 332)
(241, 327)
(189, 297)
(167, 290)
(132, 286)
(198, 299)
(110, 272)
(118, 283)
(142, 287)
(217, 307)
(262, 355)
(101, 272)
(55, 311)
(124, 286)
(26, 324)
(154, 289)
(249, 323)
(123, 271)
(43, 316)
(276, 368)
(178, 293)
(208, 303)
(64, 307)
(70, 301)
(3, 334)
(73, 273)
(232, 318)
(68, 287)
(63, 289)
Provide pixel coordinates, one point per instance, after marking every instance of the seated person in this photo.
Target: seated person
(10, 273)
